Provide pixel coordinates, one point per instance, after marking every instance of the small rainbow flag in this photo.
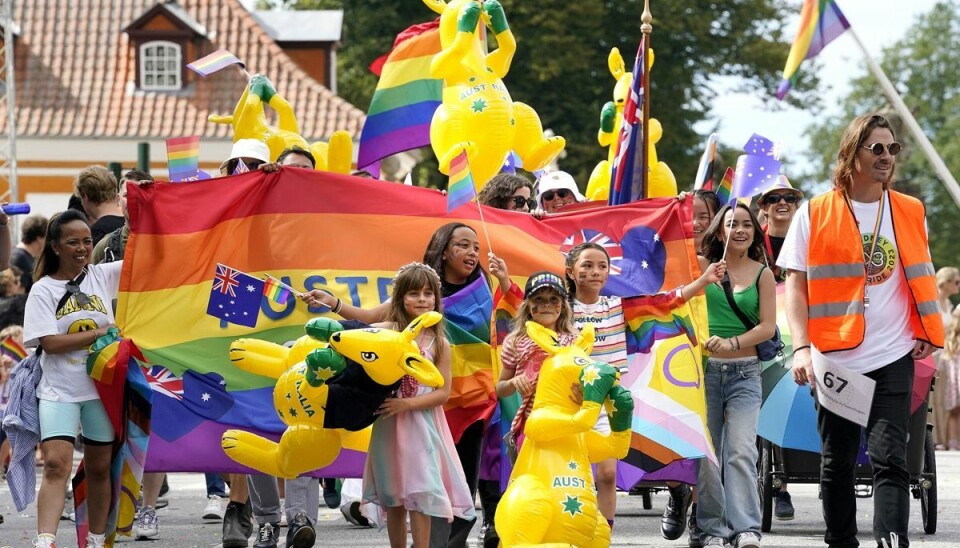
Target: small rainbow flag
(406, 97)
(12, 349)
(276, 291)
(820, 22)
(725, 190)
(220, 59)
(652, 318)
(461, 189)
(183, 158)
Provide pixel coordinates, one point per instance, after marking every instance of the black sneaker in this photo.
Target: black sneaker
(784, 507)
(330, 495)
(674, 517)
(300, 533)
(696, 534)
(267, 536)
(237, 526)
(351, 513)
(488, 537)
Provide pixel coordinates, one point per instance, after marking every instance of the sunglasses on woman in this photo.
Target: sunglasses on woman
(551, 194)
(877, 148)
(771, 199)
(520, 201)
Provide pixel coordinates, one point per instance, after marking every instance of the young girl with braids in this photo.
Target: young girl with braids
(411, 463)
(587, 269)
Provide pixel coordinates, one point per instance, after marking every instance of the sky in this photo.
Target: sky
(878, 23)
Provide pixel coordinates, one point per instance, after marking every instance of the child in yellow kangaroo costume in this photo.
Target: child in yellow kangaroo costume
(660, 181)
(477, 114)
(550, 501)
(249, 122)
(335, 390)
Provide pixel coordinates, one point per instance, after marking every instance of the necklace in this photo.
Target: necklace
(874, 240)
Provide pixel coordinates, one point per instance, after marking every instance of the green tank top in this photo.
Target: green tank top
(723, 320)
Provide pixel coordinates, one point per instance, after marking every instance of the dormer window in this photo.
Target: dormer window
(160, 66)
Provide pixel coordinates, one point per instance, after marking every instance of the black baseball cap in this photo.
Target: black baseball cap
(543, 279)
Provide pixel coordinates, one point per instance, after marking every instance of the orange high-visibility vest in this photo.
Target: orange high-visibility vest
(836, 279)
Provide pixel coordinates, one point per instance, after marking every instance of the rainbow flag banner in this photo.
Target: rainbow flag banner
(263, 223)
(183, 158)
(821, 21)
(406, 97)
(460, 189)
(220, 59)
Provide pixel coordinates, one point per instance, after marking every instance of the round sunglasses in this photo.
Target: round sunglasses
(550, 194)
(877, 148)
(520, 201)
(771, 199)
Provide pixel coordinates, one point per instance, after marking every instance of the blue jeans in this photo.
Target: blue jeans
(729, 506)
(215, 485)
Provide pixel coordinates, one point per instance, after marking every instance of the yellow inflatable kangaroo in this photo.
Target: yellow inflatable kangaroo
(551, 500)
(477, 114)
(249, 122)
(661, 181)
(332, 390)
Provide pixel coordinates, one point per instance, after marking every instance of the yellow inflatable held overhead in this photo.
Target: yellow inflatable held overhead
(550, 500)
(324, 391)
(477, 114)
(660, 181)
(249, 122)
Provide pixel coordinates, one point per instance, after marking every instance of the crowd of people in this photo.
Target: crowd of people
(859, 287)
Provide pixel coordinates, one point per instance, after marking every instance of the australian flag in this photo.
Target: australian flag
(235, 296)
(626, 179)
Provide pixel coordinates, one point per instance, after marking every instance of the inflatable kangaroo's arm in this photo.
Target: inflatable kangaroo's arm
(499, 60)
(608, 121)
(449, 60)
(616, 444)
(551, 423)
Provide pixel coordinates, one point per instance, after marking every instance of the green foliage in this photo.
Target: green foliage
(561, 64)
(922, 66)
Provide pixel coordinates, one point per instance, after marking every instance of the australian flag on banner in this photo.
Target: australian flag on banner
(626, 179)
(235, 296)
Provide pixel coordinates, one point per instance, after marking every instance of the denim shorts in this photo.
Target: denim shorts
(62, 420)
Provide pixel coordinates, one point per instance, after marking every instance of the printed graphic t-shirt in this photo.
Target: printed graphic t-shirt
(65, 376)
(888, 336)
(606, 316)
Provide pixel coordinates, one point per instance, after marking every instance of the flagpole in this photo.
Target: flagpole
(943, 173)
(483, 223)
(646, 28)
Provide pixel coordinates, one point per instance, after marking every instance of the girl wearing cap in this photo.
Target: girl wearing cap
(545, 302)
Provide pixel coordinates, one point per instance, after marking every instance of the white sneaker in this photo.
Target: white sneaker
(283, 513)
(214, 509)
(716, 542)
(748, 540)
(46, 540)
(95, 541)
(146, 524)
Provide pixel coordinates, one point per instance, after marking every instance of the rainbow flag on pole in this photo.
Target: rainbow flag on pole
(183, 158)
(725, 190)
(460, 189)
(220, 59)
(12, 349)
(276, 291)
(406, 97)
(820, 22)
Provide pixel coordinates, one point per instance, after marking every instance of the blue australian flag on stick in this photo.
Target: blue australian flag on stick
(235, 296)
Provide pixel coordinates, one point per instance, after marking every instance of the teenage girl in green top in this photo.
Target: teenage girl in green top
(729, 511)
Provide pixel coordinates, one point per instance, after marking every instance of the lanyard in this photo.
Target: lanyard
(875, 237)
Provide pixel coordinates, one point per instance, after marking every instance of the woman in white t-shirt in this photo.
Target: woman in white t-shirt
(69, 307)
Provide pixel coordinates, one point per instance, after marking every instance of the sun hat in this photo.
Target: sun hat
(557, 180)
(782, 184)
(543, 279)
(248, 148)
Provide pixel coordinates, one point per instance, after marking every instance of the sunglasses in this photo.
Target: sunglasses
(551, 194)
(520, 201)
(73, 289)
(877, 148)
(771, 199)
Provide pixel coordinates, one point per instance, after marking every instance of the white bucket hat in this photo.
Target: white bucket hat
(557, 180)
(248, 148)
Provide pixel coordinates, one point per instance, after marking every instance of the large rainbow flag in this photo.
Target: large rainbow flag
(347, 235)
(821, 21)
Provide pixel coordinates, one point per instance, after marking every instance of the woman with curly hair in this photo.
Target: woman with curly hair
(508, 191)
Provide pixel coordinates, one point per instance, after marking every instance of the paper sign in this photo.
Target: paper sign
(844, 392)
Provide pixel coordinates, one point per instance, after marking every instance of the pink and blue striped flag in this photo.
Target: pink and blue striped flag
(461, 189)
(220, 59)
(627, 177)
(821, 21)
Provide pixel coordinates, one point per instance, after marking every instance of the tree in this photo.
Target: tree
(922, 66)
(561, 64)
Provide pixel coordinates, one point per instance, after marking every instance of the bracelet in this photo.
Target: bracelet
(336, 309)
(737, 339)
(731, 344)
(804, 347)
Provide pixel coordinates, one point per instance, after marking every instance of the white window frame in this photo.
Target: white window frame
(178, 56)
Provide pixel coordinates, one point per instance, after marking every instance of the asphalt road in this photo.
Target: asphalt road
(181, 526)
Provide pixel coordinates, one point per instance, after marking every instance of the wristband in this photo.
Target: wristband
(339, 307)
(798, 349)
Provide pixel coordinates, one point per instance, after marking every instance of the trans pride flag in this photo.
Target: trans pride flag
(262, 223)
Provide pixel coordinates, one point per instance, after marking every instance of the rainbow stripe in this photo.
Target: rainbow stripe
(276, 291)
(12, 349)
(653, 318)
(406, 97)
(217, 60)
(183, 158)
(725, 190)
(821, 21)
(460, 189)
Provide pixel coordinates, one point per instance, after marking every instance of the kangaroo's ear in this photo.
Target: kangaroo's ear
(615, 64)
(436, 5)
(427, 319)
(545, 338)
(421, 369)
(585, 339)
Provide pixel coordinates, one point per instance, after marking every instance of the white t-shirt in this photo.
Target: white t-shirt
(606, 316)
(888, 336)
(65, 376)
